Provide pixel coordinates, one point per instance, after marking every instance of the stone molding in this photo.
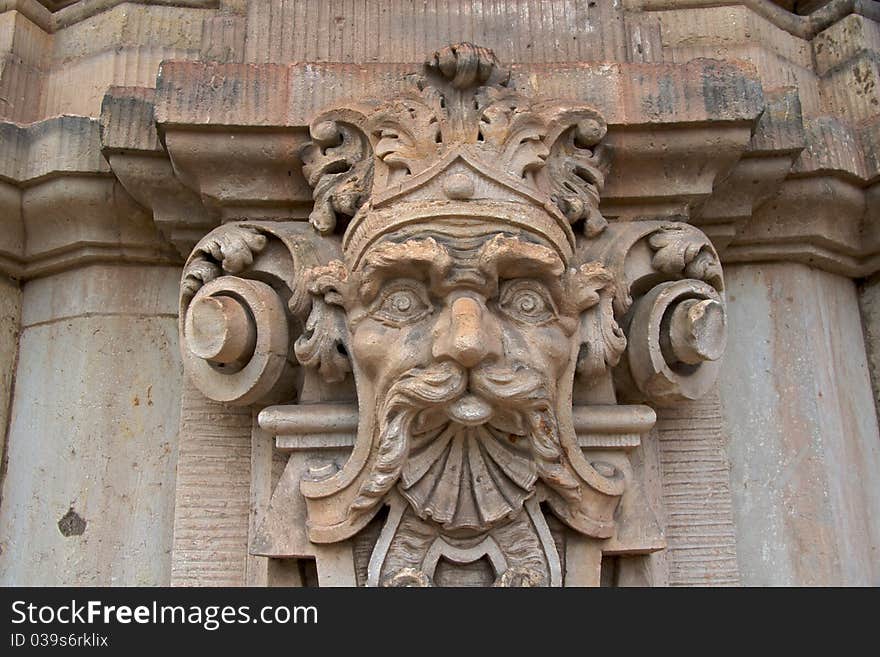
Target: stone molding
(797, 127)
(687, 169)
(65, 61)
(62, 207)
(803, 26)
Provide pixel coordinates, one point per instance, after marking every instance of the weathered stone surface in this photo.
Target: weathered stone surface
(844, 40)
(673, 162)
(101, 451)
(401, 31)
(61, 205)
(796, 394)
(63, 62)
(212, 494)
(131, 145)
(869, 305)
(195, 93)
(696, 494)
(10, 320)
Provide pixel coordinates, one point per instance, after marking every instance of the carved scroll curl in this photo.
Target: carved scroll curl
(236, 337)
(243, 297)
(322, 344)
(677, 336)
(602, 339)
(669, 296)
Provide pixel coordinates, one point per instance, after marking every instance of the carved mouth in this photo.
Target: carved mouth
(470, 410)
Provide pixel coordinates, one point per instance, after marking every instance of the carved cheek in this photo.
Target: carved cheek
(383, 352)
(559, 345)
(544, 348)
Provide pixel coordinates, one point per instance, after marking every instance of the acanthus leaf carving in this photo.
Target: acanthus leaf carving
(322, 343)
(338, 166)
(682, 250)
(230, 249)
(576, 167)
(372, 149)
(603, 341)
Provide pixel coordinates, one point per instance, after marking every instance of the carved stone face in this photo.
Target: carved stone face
(458, 339)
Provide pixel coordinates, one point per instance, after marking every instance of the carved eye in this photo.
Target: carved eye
(401, 303)
(527, 301)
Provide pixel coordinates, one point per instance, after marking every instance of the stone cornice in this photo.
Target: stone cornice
(699, 142)
(130, 144)
(695, 119)
(62, 207)
(202, 148)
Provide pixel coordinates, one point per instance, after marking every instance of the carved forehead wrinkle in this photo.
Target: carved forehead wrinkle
(510, 257)
(410, 258)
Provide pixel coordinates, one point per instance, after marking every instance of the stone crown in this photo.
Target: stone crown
(458, 142)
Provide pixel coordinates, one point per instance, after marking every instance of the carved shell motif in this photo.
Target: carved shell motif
(467, 477)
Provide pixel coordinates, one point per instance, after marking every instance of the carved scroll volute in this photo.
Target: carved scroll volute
(670, 298)
(243, 301)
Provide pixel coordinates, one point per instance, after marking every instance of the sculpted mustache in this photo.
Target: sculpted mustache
(443, 383)
(519, 389)
(446, 381)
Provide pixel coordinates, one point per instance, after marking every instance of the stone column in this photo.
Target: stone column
(804, 449)
(88, 491)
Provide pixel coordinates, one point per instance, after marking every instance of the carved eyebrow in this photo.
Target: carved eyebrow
(411, 258)
(509, 257)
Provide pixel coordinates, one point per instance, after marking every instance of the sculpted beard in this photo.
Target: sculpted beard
(467, 446)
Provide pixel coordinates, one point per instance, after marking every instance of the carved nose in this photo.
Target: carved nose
(470, 336)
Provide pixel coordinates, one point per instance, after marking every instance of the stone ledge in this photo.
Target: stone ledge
(278, 95)
(674, 129)
(695, 159)
(62, 207)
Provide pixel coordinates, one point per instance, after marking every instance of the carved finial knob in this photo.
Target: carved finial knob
(464, 64)
(220, 330)
(698, 331)
(458, 186)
